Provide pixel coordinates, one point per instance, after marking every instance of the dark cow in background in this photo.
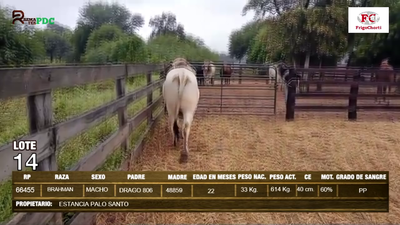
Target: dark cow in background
(200, 75)
(226, 73)
(386, 76)
(263, 71)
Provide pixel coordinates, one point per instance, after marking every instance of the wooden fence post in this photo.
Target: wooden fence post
(321, 78)
(308, 76)
(240, 73)
(161, 87)
(149, 98)
(352, 110)
(291, 95)
(120, 86)
(40, 116)
(302, 85)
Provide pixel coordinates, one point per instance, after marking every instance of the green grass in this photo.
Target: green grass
(67, 103)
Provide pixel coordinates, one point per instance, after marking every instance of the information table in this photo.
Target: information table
(211, 191)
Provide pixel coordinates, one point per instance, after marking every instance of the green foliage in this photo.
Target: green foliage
(168, 47)
(101, 54)
(317, 28)
(79, 39)
(240, 40)
(126, 49)
(166, 24)
(18, 45)
(372, 48)
(258, 49)
(328, 26)
(237, 45)
(297, 29)
(130, 49)
(56, 44)
(105, 33)
(96, 14)
(273, 7)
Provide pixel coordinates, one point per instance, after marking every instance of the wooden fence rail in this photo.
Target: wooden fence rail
(38, 83)
(352, 95)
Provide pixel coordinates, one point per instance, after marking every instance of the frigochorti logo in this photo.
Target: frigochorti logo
(372, 20)
(368, 19)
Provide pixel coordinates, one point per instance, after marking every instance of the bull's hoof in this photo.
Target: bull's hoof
(184, 158)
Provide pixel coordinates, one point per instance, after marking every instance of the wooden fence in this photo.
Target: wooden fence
(37, 85)
(343, 84)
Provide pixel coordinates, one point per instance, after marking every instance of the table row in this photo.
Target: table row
(190, 205)
(200, 190)
(200, 176)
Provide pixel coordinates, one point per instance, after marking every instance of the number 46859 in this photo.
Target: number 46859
(31, 162)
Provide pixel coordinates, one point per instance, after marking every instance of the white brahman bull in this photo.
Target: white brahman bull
(209, 72)
(274, 73)
(181, 95)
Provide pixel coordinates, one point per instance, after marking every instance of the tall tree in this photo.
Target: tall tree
(257, 50)
(94, 15)
(105, 33)
(18, 45)
(264, 8)
(195, 40)
(317, 31)
(99, 13)
(164, 24)
(240, 40)
(370, 49)
(79, 40)
(237, 45)
(56, 45)
(57, 27)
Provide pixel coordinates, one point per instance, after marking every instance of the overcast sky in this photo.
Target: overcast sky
(212, 20)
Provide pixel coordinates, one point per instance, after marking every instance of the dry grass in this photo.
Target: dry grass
(324, 141)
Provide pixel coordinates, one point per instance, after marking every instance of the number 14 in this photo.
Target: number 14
(31, 162)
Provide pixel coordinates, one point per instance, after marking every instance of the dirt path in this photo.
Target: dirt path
(324, 141)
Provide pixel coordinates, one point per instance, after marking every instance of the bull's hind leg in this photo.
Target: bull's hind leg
(185, 151)
(174, 128)
(176, 132)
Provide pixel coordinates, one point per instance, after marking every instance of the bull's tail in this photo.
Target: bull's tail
(182, 80)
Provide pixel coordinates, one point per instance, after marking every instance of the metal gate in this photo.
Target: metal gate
(249, 92)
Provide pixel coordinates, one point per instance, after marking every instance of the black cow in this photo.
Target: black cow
(200, 74)
(263, 72)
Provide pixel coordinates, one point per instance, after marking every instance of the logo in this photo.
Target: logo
(19, 15)
(368, 20)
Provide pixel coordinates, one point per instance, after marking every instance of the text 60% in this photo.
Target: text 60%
(326, 189)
